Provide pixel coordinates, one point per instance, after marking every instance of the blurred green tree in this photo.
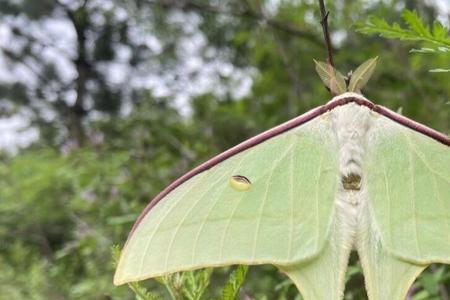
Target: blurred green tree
(148, 89)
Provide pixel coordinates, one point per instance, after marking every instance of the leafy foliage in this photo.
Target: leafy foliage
(63, 207)
(237, 277)
(189, 285)
(416, 30)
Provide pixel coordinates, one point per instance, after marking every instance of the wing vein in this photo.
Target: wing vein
(413, 198)
(291, 197)
(261, 210)
(388, 194)
(225, 231)
(181, 222)
(441, 200)
(317, 202)
(163, 217)
(436, 187)
(416, 151)
(212, 207)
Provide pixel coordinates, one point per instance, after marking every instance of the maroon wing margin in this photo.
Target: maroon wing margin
(285, 127)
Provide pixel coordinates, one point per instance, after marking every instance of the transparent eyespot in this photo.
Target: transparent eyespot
(240, 183)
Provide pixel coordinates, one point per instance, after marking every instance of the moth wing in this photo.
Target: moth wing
(284, 217)
(408, 178)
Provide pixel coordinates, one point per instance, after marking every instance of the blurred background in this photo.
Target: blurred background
(103, 103)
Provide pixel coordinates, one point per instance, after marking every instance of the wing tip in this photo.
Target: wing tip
(118, 281)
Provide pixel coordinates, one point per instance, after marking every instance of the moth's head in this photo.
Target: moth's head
(348, 95)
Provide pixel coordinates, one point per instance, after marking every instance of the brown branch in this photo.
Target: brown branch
(77, 112)
(244, 13)
(324, 21)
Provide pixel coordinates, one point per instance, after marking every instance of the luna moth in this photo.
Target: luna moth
(348, 175)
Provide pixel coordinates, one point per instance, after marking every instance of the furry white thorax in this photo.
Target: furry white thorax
(351, 124)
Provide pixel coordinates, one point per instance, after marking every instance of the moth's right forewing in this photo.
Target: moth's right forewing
(409, 190)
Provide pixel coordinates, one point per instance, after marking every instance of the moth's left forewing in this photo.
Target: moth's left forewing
(283, 218)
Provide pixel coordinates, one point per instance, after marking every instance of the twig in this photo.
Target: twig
(324, 21)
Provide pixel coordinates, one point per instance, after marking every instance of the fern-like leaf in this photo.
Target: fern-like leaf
(188, 285)
(142, 293)
(415, 24)
(231, 289)
(416, 29)
(195, 283)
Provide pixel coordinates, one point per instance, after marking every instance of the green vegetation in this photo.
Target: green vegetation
(437, 35)
(132, 94)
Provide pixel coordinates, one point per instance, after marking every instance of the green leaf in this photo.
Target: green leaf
(362, 74)
(439, 70)
(231, 289)
(415, 23)
(115, 254)
(429, 283)
(142, 293)
(439, 31)
(444, 49)
(431, 50)
(379, 26)
(174, 284)
(195, 283)
(416, 29)
(423, 50)
(331, 77)
(422, 295)
(188, 285)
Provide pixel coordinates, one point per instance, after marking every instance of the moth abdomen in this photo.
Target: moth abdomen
(351, 181)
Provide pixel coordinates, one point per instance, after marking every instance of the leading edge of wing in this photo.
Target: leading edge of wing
(302, 119)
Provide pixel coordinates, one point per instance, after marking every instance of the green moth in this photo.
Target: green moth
(348, 175)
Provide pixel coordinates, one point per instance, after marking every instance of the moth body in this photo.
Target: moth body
(351, 124)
